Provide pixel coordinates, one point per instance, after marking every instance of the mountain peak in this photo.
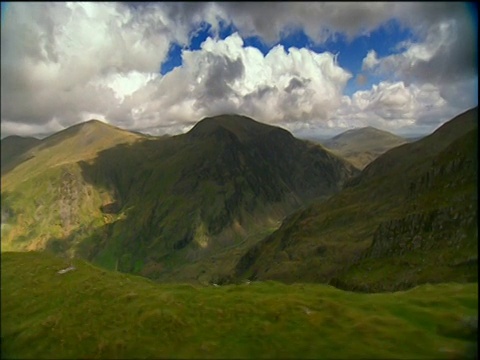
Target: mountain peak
(367, 130)
(362, 145)
(364, 133)
(95, 123)
(240, 126)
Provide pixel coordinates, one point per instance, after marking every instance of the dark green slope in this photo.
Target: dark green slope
(182, 207)
(13, 149)
(188, 198)
(414, 156)
(408, 218)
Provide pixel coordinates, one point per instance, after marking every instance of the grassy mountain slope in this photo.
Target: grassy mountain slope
(45, 196)
(96, 314)
(410, 217)
(156, 205)
(362, 146)
(79, 142)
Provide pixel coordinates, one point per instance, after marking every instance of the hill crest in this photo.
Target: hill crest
(242, 127)
(363, 145)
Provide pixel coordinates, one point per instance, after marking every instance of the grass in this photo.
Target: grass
(94, 313)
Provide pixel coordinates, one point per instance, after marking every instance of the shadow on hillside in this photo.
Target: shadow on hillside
(112, 173)
(110, 168)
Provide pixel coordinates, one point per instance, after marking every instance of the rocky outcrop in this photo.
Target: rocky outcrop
(437, 172)
(425, 231)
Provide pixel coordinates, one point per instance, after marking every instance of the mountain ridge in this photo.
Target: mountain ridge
(143, 204)
(408, 201)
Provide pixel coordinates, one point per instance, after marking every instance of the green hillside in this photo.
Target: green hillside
(97, 314)
(362, 146)
(175, 208)
(410, 217)
(46, 197)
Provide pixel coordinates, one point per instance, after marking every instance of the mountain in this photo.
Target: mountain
(44, 194)
(362, 146)
(176, 208)
(410, 217)
(13, 148)
(79, 142)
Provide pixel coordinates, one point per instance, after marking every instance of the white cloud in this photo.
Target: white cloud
(394, 107)
(370, 61)
(225, 77)
(61, 62)
(444, 54)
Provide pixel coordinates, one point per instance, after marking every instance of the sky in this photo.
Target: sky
(313, 68)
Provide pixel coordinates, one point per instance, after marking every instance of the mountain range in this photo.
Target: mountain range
(173, 208)
(236, 199)
(258, 244)
(409, 217)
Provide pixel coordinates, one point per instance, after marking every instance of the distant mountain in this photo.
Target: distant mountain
(362, 146)
(410, 217)
(79, 142)
(13, 148)
(183, 207)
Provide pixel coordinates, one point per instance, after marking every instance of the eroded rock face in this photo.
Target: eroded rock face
(425, 230)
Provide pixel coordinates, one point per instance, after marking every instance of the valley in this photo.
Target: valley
(410, 217)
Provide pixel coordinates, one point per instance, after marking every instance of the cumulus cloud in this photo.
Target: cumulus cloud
(370, 61)
(445, 55)
(62, 59)
(319, 20)
(224, 76)
(396, 107)
(64, 62)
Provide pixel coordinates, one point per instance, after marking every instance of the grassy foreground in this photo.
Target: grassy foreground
(93, 313)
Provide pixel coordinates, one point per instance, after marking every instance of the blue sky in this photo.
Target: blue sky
(350, 52)
(160, 67)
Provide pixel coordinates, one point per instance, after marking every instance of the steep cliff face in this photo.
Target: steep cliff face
(437, 238)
